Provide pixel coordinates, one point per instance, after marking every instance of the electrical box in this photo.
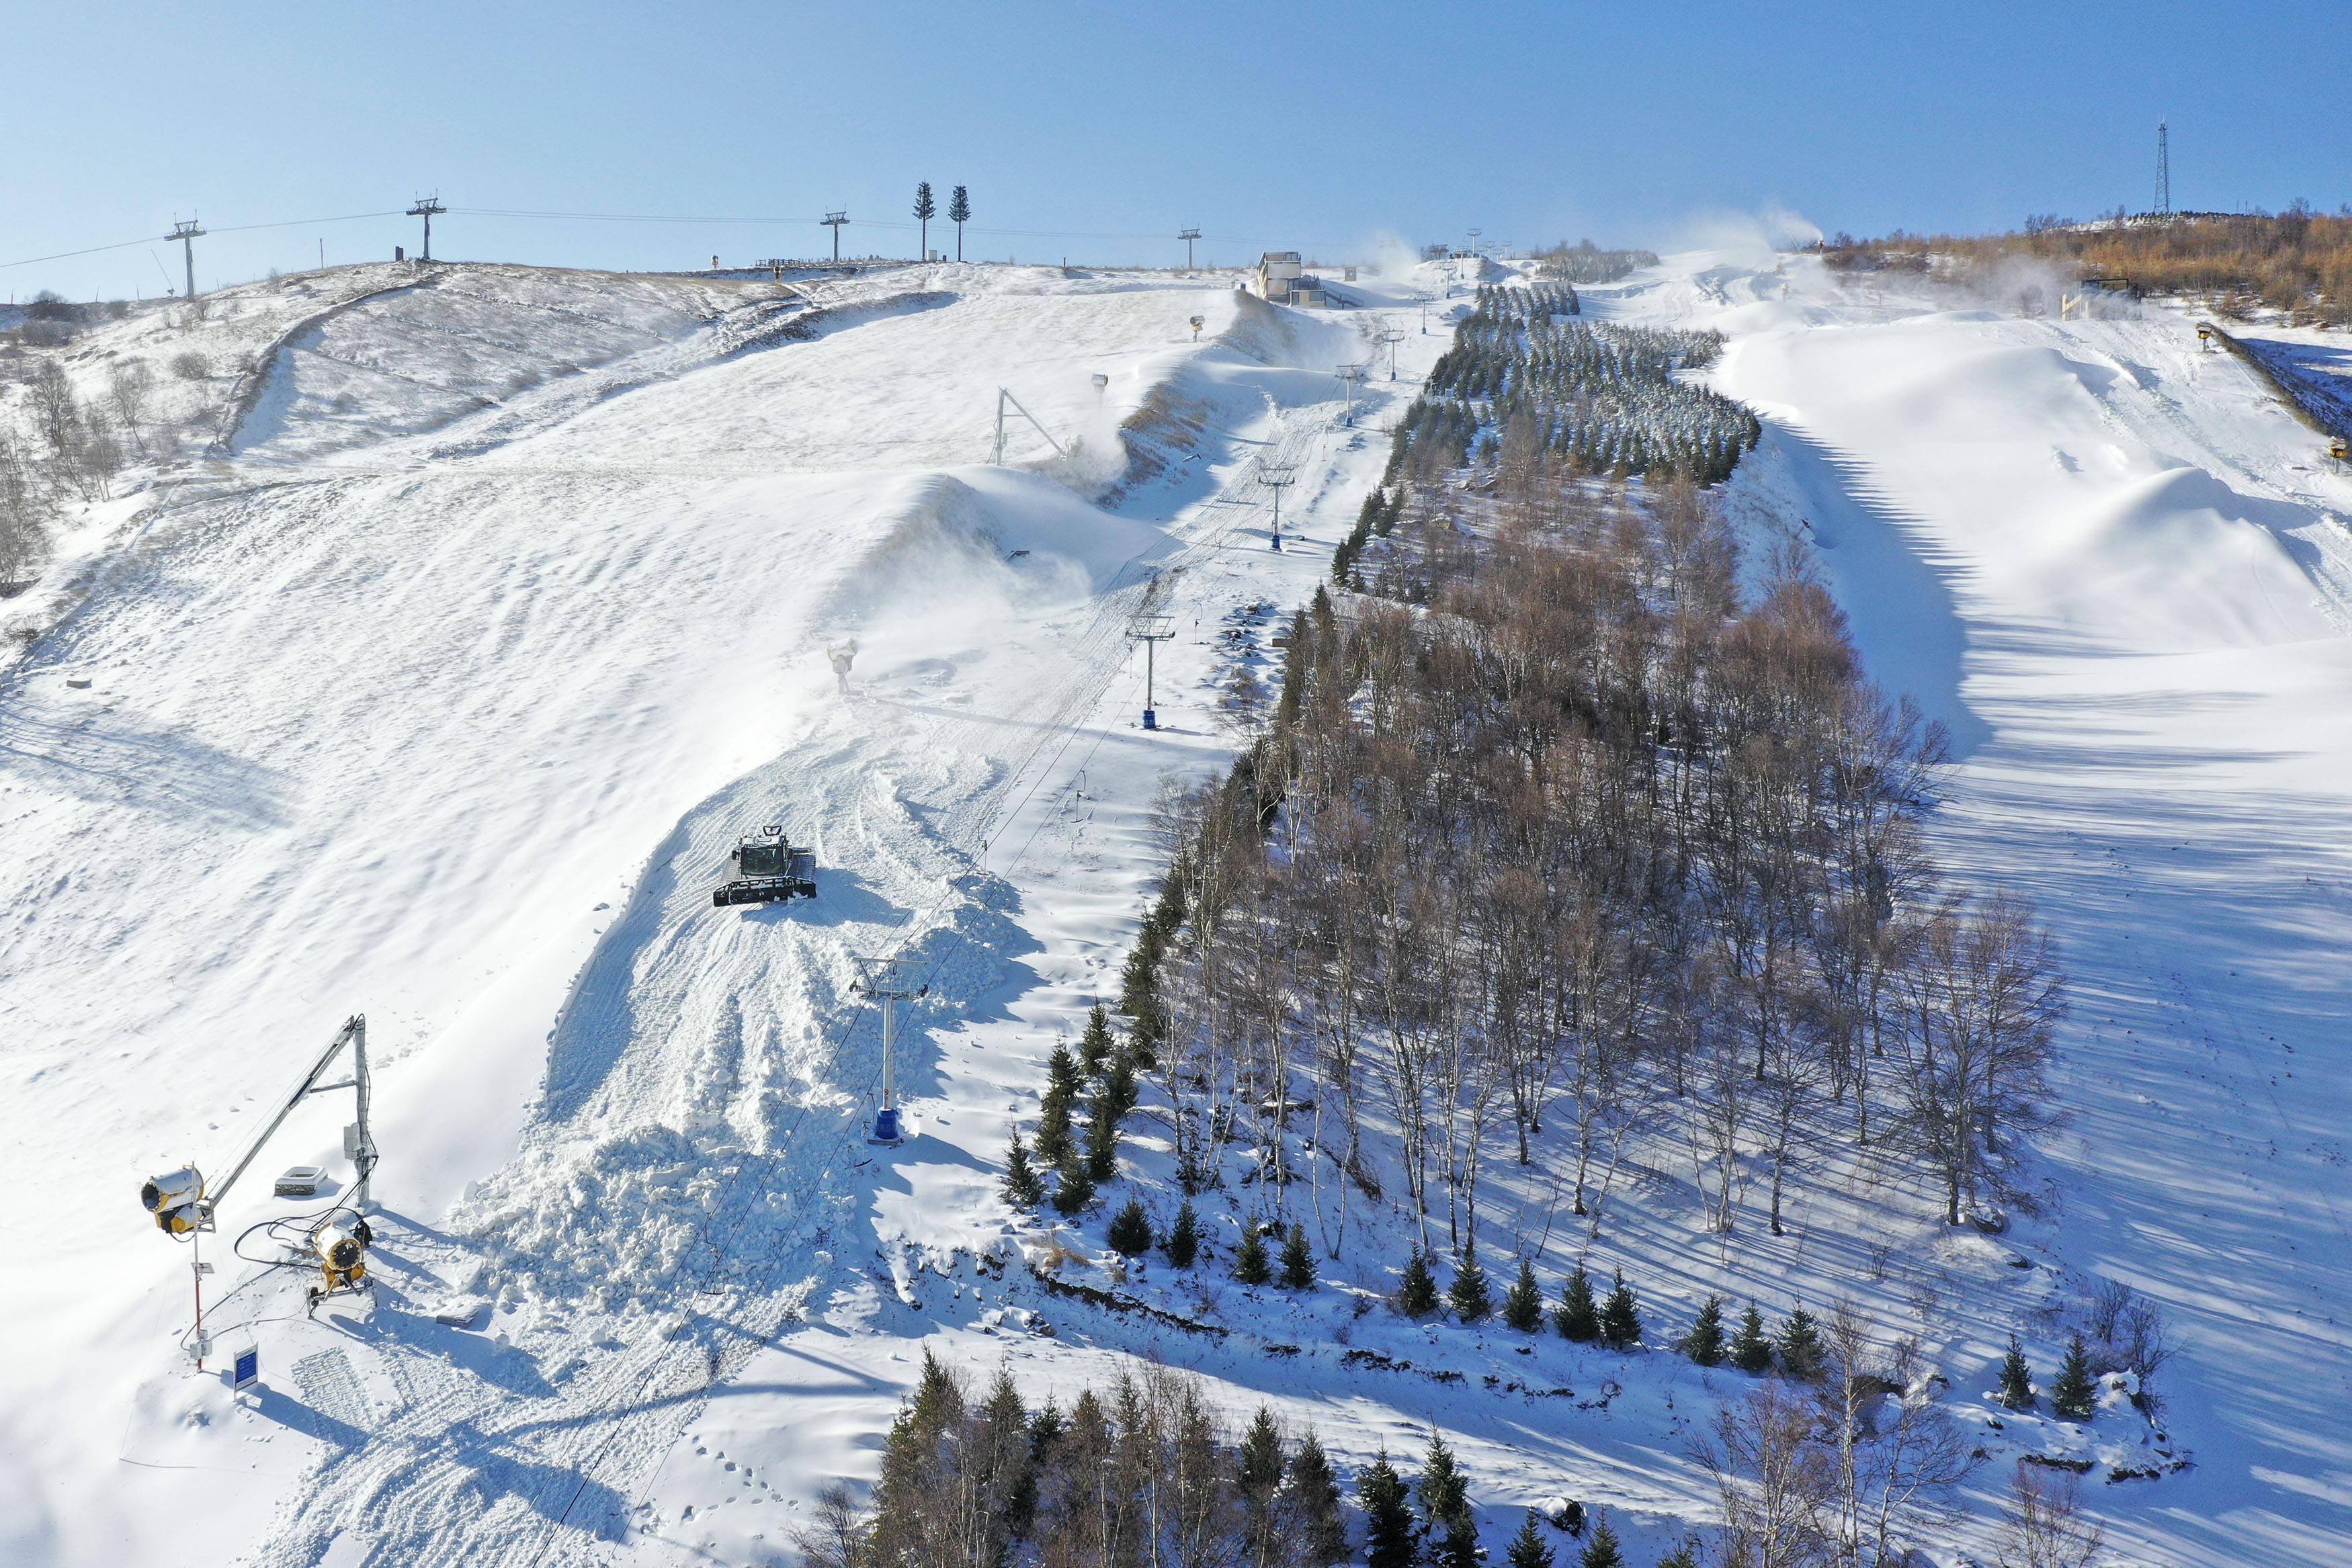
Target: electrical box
(246, 1371)
(353, 1149)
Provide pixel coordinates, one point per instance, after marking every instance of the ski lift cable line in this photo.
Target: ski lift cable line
(217, 229)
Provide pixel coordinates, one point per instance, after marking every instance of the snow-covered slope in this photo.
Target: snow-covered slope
(440, 690)
(2122, 571)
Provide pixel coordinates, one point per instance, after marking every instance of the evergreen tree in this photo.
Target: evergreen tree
(1297, 1260)
(1130, 1230)
(958, 214)
(1680, 1557)
(1183, 1239)
(1102, 1135)
(1061, 1093)
(1073, 1188)
(1416, 1293)
(1704, 1343)
(1388, 1516)
(1446, 1521)
(1023, 1187)
(1801, 1347)
(1601, 1551)
(1751, 1350)
(1095, 1045)
(1311, 1496)
(1529, 1547)
(1468, 1295)
(2074, 1396)
(2016, 1378)
(1523, 1302)
(1259, 1465)
(1118, 1087)
(1620, 1316)
(1575, 1317)
(1249, 1262)
(925, 209)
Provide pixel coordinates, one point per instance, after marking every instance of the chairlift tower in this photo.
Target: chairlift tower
(187, 232)
(1188, 236)
(1349, 376)
(1391, 337)
(833, 219)
(1150, 630)
(424, 208)
(1277, 477)
(883, 984)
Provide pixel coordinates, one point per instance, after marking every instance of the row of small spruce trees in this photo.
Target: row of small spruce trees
(1443, 1531)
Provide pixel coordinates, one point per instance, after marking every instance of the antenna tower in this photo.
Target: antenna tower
(2163, 169)
(187, 232)
(424, 208)
(834, 221)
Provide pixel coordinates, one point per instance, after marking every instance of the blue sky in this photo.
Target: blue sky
(1092, 130)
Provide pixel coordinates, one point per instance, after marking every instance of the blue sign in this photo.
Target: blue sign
(249, 1369)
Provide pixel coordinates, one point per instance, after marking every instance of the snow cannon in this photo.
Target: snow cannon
(341, 1257)
(176, 1199)
(767, 867)
(2340, 449)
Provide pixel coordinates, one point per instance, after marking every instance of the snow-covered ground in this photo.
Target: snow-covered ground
(441, 693)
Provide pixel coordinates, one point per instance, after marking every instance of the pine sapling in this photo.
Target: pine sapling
(1523, 1302)
(1751, 1350)
(1073, 1188)
(1023, 1188)
(1416, 1292)
(1130, 1230)
(2016, 1378)
(1680, 1557)
(1388, 1516)
(2074, 1396)
(1801, 1347)
(1249, 1259)
(1468, 1295)
(1095, 1045)
(1182, 1242)
(1704, 1343)
(1601, 1551)
(1577, 1317)
(1297, 1260)
(1529, 1547)
(1102, 1136)
(1620, 1316)
(1311, 1493)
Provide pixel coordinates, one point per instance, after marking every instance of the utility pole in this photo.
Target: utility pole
(424, 208)
(1349, 376)
(1150, 630)
(882, 983)
(1277, 477)
(187, 234)
(1188, 236)
(834, 221)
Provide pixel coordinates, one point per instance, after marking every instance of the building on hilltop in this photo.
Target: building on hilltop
(1282, 278)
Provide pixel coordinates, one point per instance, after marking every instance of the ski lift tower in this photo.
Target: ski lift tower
(833, 219)
(1349, 376)
(1391, 338)
(883, 982)
(187, 232)
(1277, 477)
(1150, 630)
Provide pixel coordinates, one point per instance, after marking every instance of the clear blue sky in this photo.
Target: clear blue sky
(1082, 128)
